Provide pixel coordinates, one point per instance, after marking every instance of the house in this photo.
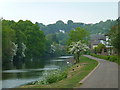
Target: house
(96, 39)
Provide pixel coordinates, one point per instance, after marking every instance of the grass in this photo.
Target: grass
(74, 74)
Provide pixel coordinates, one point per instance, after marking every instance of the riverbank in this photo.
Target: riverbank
(74, 75)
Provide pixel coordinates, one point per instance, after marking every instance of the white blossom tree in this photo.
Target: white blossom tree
(77, 48)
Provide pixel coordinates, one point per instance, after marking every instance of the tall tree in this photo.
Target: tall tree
(8, 39)
(115, 36)
(78, 34)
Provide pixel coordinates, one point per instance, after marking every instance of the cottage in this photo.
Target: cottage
(96, 39)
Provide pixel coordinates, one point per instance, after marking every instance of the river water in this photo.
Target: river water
(19, 73)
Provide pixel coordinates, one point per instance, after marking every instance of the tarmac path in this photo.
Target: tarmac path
(104, 76)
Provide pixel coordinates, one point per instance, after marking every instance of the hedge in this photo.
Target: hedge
(109, 58)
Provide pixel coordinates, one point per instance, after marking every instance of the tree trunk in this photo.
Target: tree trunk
(78, 55)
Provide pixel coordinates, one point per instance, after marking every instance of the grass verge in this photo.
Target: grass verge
(74, 74)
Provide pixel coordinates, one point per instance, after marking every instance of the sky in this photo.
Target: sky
(50, 11)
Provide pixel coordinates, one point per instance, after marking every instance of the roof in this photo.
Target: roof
(97, 37)
(95, 42)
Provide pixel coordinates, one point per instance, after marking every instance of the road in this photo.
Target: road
(105, 76)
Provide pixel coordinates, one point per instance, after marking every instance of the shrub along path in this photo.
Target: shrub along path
(105, 76)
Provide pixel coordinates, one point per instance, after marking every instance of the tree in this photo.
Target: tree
(78, 34)
(52, 38)
(8, 39)
(77, 48)
(22, 39)
(69, 22)
(99, 48)
(35, 43)
(115, 36)
(21, 45)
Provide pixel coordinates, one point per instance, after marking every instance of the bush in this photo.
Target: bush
(105, 57)
(110, 58)
(53, 76)
(113, 58)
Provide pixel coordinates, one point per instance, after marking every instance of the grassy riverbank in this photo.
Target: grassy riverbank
(74, 75)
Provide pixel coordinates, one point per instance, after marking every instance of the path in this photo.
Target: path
(105, 76)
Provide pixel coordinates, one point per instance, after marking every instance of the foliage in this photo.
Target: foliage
(57, 44)
(77, 48)
(115, 36)
(101, 27)
(57, 50)
(21, 46)
(110, 58)
(78, 34)
(99, 48)
(62, 37)
(21, 39)
(77, 39)
(52, 76)
(8, 39)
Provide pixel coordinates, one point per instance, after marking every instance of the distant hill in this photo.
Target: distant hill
(101, 27)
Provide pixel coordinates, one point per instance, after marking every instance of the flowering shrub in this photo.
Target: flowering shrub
(52, 76)
(77, 48)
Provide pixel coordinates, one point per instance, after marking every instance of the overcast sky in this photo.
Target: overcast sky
(48, 12)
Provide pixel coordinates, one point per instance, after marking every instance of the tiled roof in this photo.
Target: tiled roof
(95, 42)
(97, 37)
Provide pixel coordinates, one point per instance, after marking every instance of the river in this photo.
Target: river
(19, 73)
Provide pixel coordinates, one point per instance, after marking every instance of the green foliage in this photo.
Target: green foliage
(99, 48)
(110, 58)
(35, 43)
(22, 39)
(115, 36)
(52, 38)
(53, 76)
(8, 36)
(34, 39)
(62, 38)
(56, 77)
(77, 40)
(101, 27)
(57, 44)
(78, 34)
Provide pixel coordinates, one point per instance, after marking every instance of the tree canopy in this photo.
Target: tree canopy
(78, 34)
(24, 39)
(115, 36)
(101, 27)
(21, 39)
